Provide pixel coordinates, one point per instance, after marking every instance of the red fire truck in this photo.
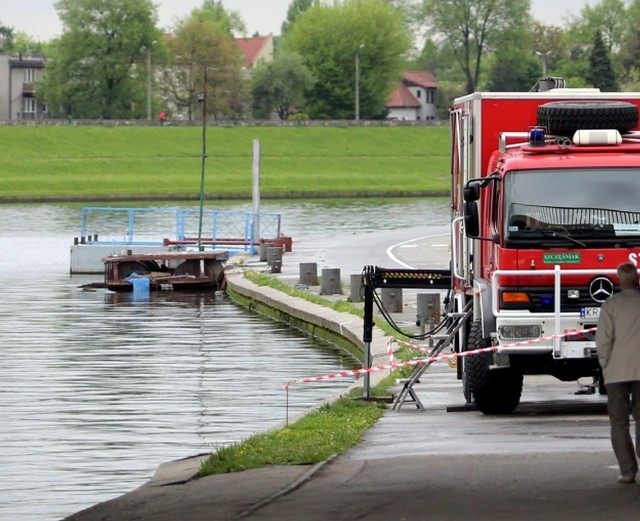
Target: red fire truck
(546, 205)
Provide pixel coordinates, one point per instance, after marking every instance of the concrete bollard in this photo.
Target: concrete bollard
(392, 299)
(276, 266)
(355, 288)
(309, 273)
(274, 253)
(330, 282)
(428, 305)
(263, 250)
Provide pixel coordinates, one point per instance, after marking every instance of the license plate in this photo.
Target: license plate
(589, 312)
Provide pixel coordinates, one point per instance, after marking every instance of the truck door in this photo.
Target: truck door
(490, 228)
(460, 120)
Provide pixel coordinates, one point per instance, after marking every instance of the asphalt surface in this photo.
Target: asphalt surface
(550, 460)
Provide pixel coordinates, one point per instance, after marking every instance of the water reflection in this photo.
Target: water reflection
(160, 298)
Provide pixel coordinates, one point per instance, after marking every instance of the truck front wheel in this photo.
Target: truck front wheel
(495, 391)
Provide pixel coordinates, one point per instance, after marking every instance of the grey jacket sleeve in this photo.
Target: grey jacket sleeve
(605, 333)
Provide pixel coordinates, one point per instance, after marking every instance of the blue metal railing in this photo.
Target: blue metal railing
(157, 226)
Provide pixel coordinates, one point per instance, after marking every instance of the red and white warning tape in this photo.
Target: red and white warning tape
(514, 344)
(395, 365)
(431, 359)
(390, 349)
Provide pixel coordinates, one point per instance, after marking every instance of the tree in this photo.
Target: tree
(213, 10)
(6, 39)
(27, 45)
(199, 44)
(601, 74)
(513, 70)
(574, 66)
(514, 67)
(296, 9)
(329, 37)
(12, 42)
(95, 68)
(550, 42)
(439, 59)
(609, 17)
(280, 85)
(629, 55)
(472, 28)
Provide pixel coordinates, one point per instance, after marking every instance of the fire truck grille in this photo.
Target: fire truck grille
(573, 299)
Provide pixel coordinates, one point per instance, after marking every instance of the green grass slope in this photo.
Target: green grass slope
(102, 163)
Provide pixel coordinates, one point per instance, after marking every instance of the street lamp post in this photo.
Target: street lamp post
(358, 82)
(544, 56)
(203, 99)
(149, 47)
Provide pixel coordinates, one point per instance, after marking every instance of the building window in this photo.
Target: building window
(419, 93)
(430, 96)
(29, 105)
(29, 75)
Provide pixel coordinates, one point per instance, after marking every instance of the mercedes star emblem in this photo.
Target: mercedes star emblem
(600, 289)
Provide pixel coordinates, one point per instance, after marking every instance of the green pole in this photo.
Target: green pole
(204, 159)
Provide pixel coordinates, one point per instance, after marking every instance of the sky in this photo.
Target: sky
(38, 18)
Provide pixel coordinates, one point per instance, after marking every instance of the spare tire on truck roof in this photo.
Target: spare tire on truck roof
(563, 118)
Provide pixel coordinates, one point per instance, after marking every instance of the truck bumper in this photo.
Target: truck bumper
(573, 338)
(566, 350)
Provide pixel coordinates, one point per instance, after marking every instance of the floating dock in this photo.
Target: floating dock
(177, 270)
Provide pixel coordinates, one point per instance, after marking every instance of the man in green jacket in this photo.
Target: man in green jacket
(618, 342)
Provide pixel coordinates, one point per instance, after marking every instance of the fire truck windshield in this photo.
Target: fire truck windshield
(577, 208)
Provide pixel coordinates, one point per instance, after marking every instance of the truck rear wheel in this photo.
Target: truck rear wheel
(495, 391)
(563, 118)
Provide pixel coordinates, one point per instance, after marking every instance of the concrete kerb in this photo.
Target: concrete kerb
(178, 471)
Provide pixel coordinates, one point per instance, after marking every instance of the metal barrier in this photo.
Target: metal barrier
(158, 226)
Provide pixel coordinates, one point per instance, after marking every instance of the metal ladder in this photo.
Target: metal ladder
(442, 341)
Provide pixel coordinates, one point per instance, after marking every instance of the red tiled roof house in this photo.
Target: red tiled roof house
(414, 97)
(255, 50)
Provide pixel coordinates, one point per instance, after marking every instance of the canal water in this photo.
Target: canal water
(98, 389)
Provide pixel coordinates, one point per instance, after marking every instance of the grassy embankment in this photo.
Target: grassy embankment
(133, 163)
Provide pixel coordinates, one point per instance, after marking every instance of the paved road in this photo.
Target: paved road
(390, 249)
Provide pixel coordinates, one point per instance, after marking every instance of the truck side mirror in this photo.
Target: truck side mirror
(472, 192)
(471, 219)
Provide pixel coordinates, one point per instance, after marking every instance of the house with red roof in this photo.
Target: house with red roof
(414, 97)
(255, 49)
